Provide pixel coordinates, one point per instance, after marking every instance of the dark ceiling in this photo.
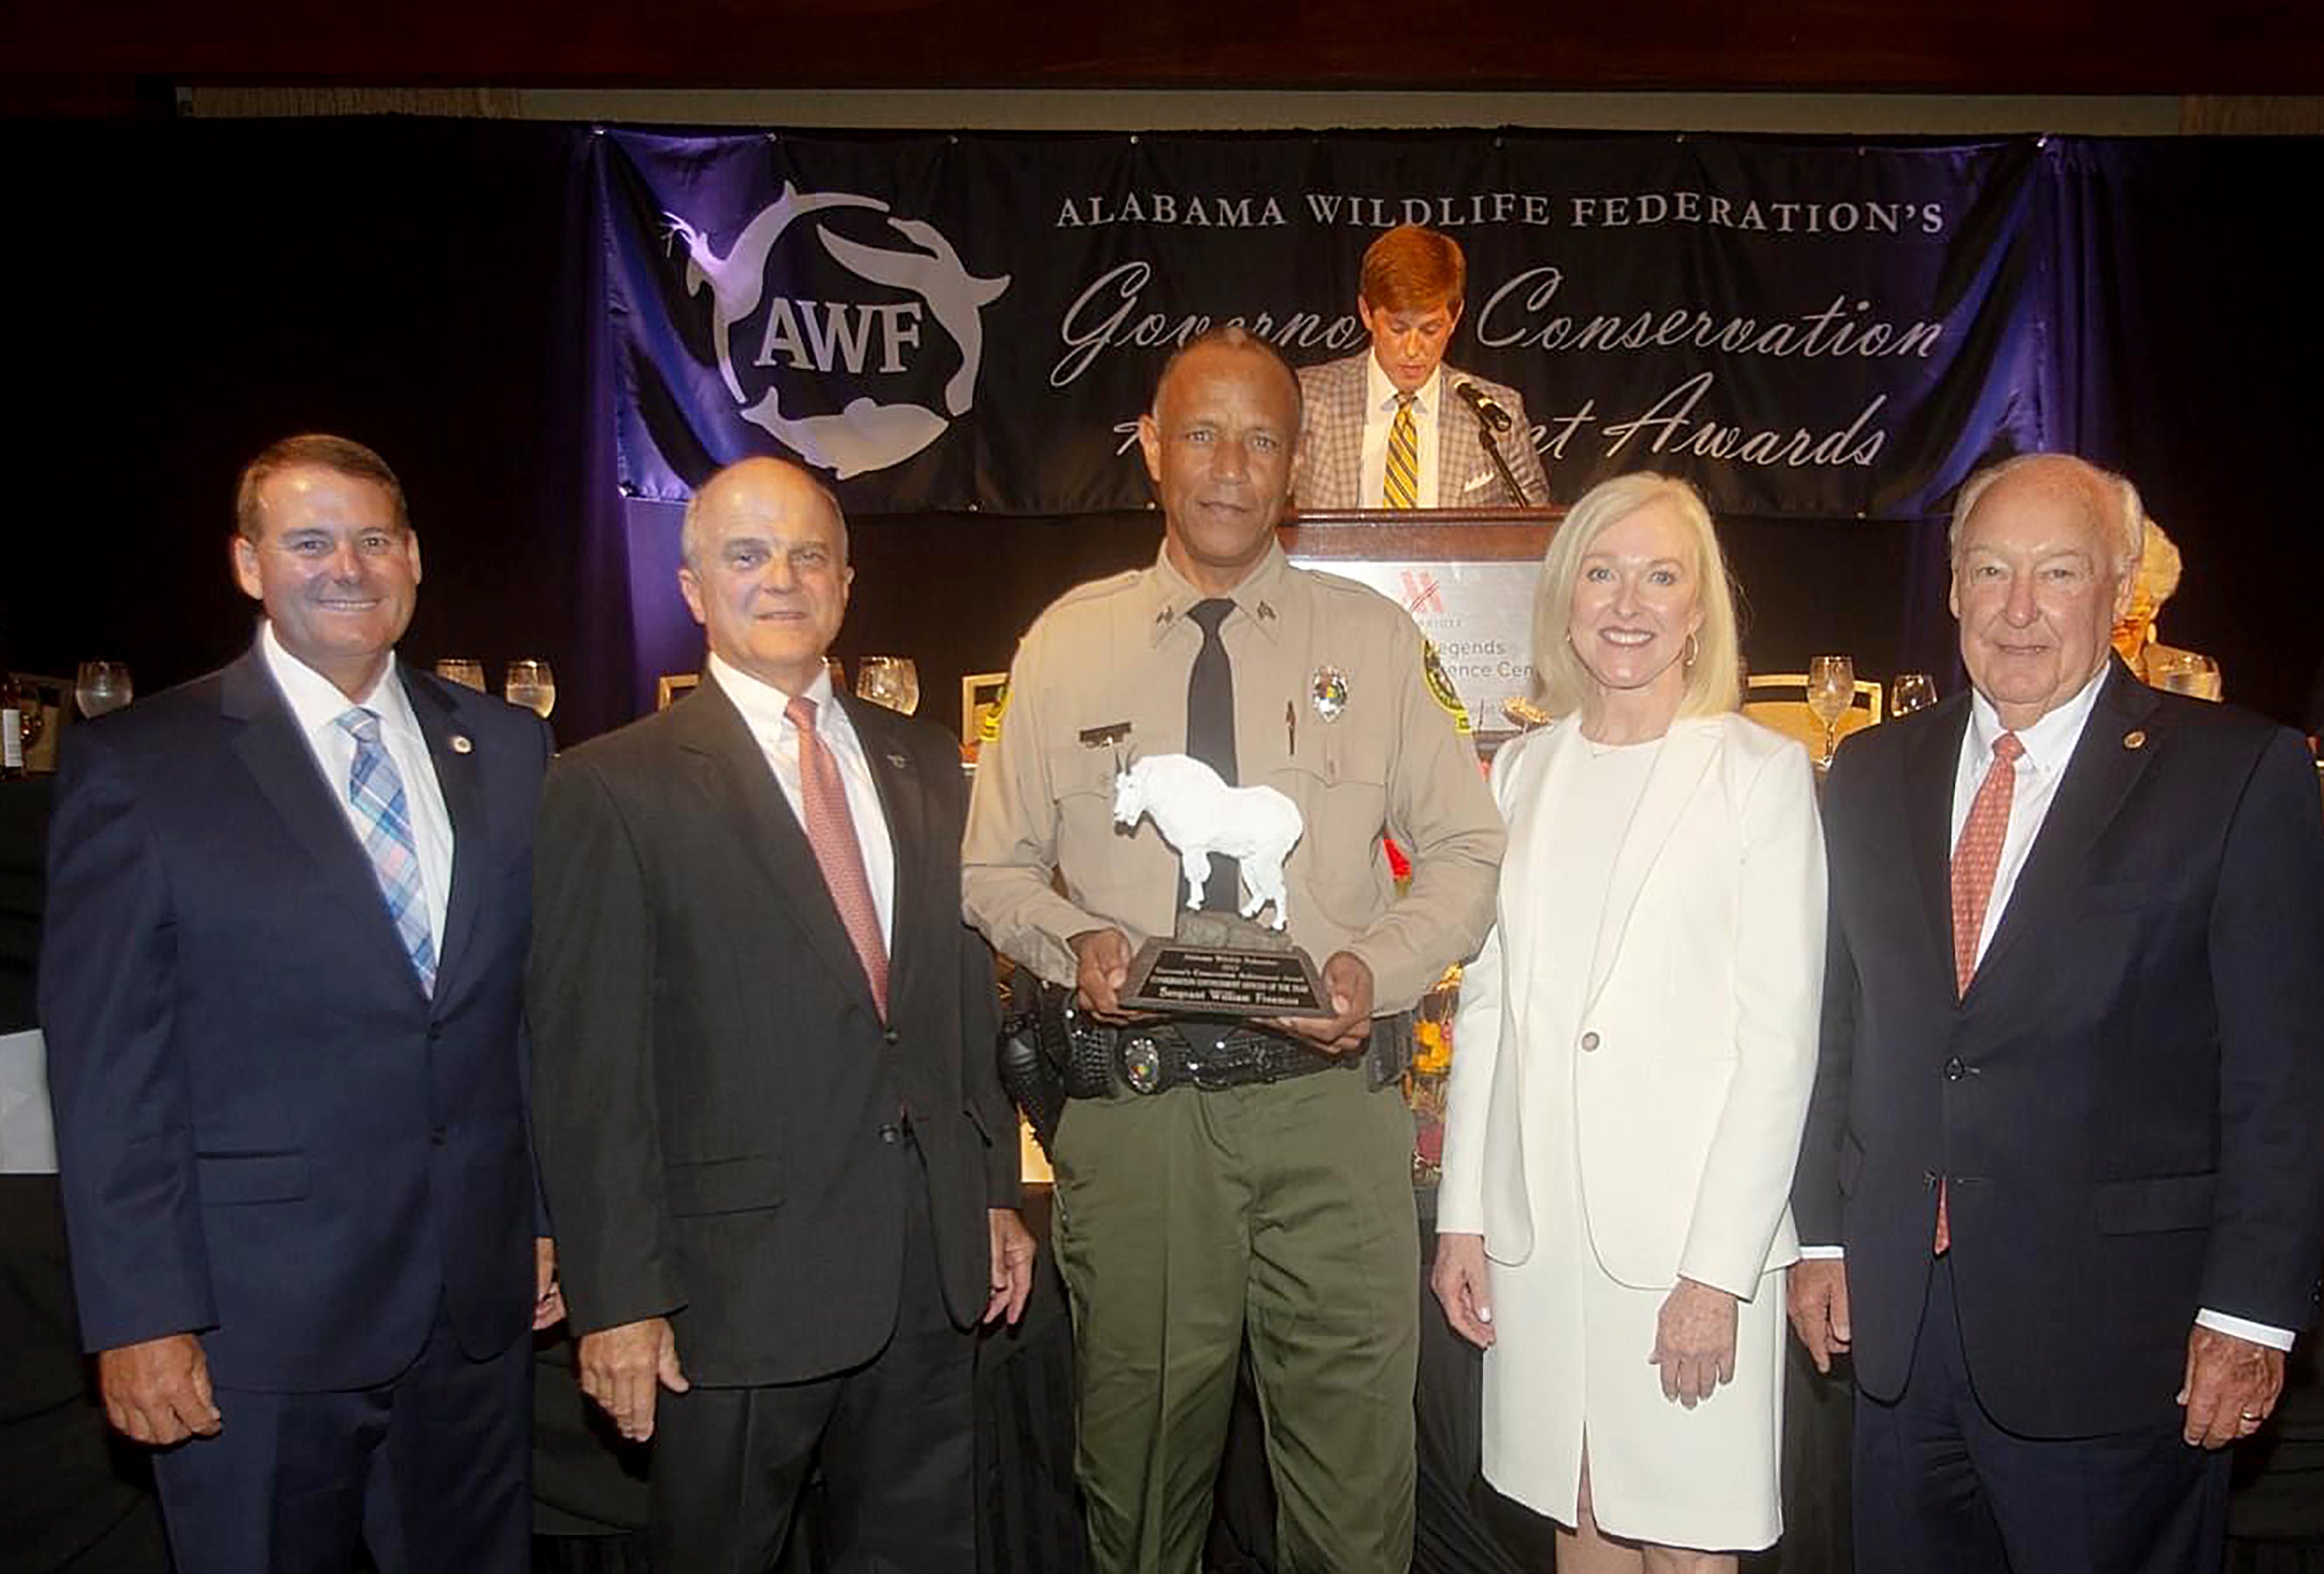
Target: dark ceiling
(119, 54)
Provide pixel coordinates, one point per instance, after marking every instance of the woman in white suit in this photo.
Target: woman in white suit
(1632, 1060)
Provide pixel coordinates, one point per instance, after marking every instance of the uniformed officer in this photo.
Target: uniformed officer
(1281, 1207)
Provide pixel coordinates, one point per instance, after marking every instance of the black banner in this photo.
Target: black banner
(950, 323)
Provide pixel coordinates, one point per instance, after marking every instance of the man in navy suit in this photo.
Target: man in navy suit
(2063, 1188)
(282, 980)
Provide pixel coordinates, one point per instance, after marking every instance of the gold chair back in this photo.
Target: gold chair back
(1778, 700)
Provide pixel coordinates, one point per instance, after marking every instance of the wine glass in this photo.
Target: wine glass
(1911, 691)
(102, 686)
(532, 684)
(893, 682)
(465, 671)
(2190, 673)
(1832, 690)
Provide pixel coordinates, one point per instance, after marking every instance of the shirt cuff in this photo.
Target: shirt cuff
(1463, 1218)
(2258, 1333)
(1822, 1254)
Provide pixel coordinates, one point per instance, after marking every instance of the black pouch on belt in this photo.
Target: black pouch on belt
(1050, 1053)
(1389, 1054)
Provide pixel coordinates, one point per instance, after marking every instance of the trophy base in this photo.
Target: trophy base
(1225, 964)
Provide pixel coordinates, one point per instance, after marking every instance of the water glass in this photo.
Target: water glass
(1911, 691)
(531, 683)
(893, 682)
(1832, 690)
(465, 671)
(102, 686)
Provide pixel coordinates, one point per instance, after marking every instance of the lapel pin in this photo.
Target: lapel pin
(2135, 738)
(460, 743)
(898, 760)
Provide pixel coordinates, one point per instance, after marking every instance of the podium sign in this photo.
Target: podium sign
(1466, 576)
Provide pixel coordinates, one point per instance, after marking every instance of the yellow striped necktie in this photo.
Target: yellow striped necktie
(1402, 483)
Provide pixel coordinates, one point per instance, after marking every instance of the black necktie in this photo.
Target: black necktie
(1211, 734)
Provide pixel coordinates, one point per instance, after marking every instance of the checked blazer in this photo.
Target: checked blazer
(1330, 467)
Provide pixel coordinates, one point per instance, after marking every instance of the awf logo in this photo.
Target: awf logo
(833, 348)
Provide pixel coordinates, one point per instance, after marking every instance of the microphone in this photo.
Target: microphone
(1495, 418)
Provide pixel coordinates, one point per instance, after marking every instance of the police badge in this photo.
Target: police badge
(1327, 691)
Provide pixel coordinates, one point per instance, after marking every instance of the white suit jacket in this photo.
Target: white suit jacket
(1695, 1051)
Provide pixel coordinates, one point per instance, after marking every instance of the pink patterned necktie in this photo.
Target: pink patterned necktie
(831, 832)
(1977, 857)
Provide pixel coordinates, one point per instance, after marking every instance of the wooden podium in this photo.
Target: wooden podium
(1466, 575)
(1444, 535)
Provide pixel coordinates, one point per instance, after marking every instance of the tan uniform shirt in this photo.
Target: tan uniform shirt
(1110, 661)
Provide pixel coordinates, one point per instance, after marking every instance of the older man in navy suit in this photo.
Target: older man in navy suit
(2062, 1192)
(282, 984)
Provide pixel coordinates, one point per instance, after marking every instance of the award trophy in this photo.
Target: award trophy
(1219, 964)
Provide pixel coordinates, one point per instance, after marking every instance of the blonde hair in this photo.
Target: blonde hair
(1714, 677)
(2158, 567)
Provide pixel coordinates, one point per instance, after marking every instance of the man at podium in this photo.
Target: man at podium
(1392, 426)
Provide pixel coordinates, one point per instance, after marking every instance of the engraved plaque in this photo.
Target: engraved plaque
(1221, 965)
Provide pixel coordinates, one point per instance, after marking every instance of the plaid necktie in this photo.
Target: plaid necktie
(1976, 858)
(1402, 484)
(375, 788)
(831, 832)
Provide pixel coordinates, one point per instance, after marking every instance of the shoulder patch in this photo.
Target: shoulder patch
(988, 725)
(1440, 686)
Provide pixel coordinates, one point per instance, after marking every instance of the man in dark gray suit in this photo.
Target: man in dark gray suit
(769, 1119)
(1391, 427)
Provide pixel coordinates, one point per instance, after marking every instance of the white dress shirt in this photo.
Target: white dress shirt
(762, 706)
(1379, 414)
(2048, 747)
(315, 706)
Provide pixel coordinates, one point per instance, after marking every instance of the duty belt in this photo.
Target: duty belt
(1050, 1051)
(1156, 1057)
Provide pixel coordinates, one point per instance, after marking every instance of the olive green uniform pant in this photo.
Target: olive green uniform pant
(1184, 1219)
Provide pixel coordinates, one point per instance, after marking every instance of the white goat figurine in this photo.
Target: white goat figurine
(1199, 815)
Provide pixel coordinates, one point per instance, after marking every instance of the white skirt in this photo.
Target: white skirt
(1569, 1364)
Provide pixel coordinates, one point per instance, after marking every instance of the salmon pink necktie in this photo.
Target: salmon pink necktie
(831, 832)
(1977, 857)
